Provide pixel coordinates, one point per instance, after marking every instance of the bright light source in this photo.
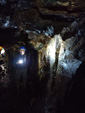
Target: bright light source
(2, 51)
(22, 52)
(20, 61)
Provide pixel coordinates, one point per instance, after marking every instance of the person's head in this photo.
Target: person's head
(22, 50)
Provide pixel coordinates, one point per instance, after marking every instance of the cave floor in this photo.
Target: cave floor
(30, 99)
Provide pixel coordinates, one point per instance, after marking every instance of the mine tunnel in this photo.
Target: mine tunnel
(42, 56)
(24, 63)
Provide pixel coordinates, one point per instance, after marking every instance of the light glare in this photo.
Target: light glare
(20, 61)
(2, 51)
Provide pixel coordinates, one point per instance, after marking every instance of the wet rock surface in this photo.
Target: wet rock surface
(53, 34)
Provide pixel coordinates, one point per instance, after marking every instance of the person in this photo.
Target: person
(2, 52)
(20, 66)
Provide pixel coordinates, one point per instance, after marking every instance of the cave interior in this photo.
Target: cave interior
(42, 56)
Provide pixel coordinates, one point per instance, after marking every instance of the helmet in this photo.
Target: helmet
(23, 48)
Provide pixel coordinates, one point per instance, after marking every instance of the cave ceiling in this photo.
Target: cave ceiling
(22, 18)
